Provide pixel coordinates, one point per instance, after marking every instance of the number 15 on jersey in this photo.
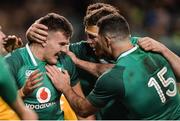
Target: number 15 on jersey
(165, 82)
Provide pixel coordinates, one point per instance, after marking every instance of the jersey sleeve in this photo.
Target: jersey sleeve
(71, 68)
(108, 87)
(81, 49)
(15, 62)
(7, 84)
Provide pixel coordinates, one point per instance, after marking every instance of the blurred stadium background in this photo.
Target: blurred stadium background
(159, 19)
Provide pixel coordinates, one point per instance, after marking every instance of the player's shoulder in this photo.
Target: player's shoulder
(2, 62)
(15, 54)
(79, 46)
(15, 57)
(115, 72)
(80, 43)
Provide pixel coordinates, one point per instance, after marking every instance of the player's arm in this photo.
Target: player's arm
(150, 44)
(23, 112)
(9, 94)
(77, 89)
(94, 68)
(108, 87)
(79, 103)
(74, 95)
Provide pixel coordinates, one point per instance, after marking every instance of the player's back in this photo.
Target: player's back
(150, 86)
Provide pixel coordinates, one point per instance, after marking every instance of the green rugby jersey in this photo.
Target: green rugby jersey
(7, 84)
(83, 51)
(142, 81)
(45, 99)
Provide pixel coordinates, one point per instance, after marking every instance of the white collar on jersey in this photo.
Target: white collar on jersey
(127, 52)
(31, 55)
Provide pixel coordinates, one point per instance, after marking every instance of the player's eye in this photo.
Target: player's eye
(90, 36)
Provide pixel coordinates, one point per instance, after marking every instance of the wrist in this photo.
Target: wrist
(21, 93)
(66, 89)
(78, 61)
(164, 50)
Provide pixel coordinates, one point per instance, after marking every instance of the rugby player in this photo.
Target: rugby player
(140, 80)
(28, 68)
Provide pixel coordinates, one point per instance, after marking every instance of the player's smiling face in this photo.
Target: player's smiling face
(56, 42)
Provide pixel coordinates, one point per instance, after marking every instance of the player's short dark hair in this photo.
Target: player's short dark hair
(114, 25)
(97, 6)
(93, 17)
(56, 22)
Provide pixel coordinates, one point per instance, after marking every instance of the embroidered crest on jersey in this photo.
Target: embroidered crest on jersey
(28, 73)
(43, 95)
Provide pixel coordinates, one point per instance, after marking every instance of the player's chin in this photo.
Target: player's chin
(53, 61)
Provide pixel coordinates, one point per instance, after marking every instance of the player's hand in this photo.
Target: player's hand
(73, 56)
(37, 33)
(150, 44)
(33, 82)
(12, 42)
(60, 78)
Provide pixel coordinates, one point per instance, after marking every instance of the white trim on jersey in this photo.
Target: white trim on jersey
(128, 52)
(31, 55)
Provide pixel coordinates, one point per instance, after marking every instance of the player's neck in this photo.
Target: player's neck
(121, 48)
(37, 50)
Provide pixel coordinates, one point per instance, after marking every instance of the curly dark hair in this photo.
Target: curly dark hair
(96, 14)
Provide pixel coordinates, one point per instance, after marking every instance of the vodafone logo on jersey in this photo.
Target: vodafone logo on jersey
(43, 95)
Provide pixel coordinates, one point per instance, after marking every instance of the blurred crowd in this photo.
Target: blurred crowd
(159, 19)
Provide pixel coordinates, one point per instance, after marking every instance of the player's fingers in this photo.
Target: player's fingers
(70, 53)
(65, 72)
(34, 82)
(148, 48)
(36, 86)
(37, 75)
(42, 32)
(143, 41)
(144, 45)
(56, 69)
(50, 69)
(37, 40)
(34, 73)
(39, 37)
(19, 42)
(50, 76)
(40, 26)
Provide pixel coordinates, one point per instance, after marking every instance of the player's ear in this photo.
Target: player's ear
(107, 41)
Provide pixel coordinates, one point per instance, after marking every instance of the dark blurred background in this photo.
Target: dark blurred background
(159, 19)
